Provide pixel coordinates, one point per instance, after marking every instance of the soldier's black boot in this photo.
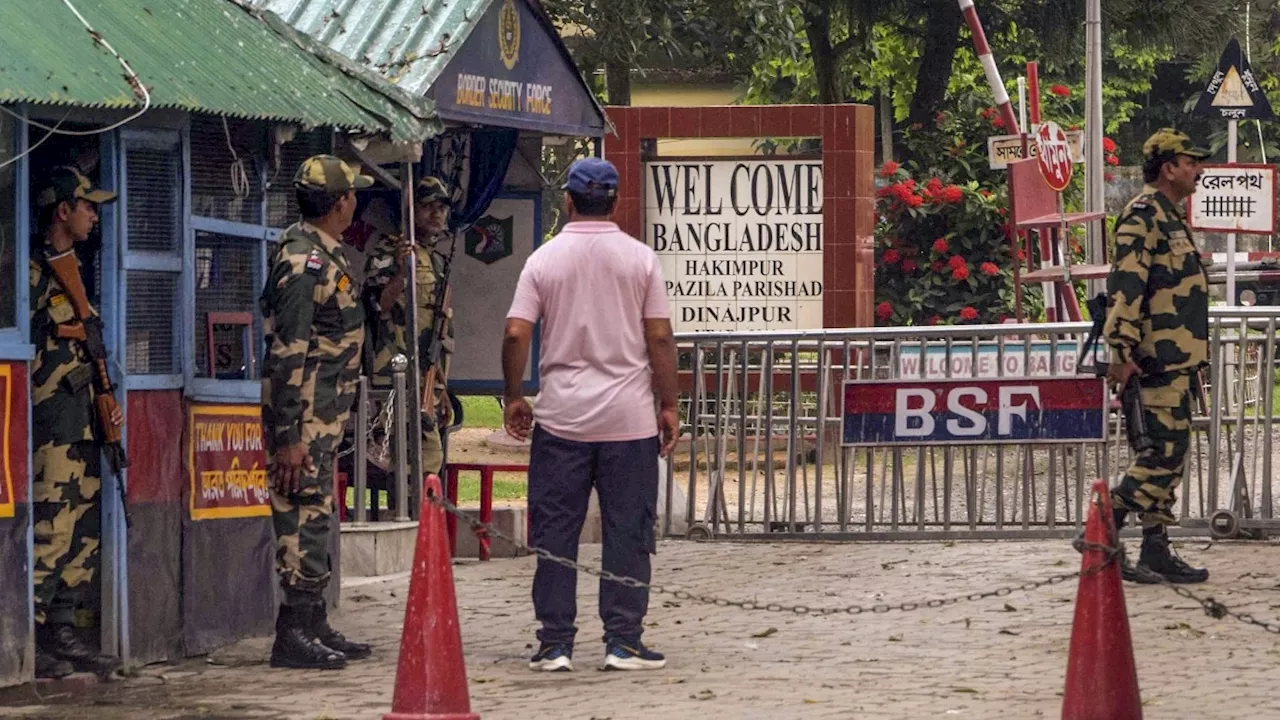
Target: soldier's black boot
(49, 667)
(297, 646)
(61, 642)
(1159, 558)
(334, 639)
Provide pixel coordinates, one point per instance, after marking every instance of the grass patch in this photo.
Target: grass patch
(481, 411)
(468, 490)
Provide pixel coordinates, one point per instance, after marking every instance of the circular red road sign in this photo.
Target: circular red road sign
(1053, 153)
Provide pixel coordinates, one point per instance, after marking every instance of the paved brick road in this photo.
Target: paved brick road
(999, 658)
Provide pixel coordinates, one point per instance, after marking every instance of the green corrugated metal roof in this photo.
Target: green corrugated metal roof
(199, 55)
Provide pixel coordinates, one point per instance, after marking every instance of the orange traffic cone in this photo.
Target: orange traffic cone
(431, 678)
(1102, 680)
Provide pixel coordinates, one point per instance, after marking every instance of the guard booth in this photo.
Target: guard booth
(204, 182)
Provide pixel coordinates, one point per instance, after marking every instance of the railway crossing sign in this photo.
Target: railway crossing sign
(1234, 198)
(1054, 156)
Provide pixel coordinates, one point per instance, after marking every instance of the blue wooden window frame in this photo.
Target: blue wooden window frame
(15, 341)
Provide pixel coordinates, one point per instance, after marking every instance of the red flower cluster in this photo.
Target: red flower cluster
(915, 201)
(1112, 160)
(1060, 90)
(941, 245)
(968, 313)
(888, 169)
(960, 273)
(1108, 176)
(989, 268)
(951, 194)
(956, 262)
(891, 257)
(935, 320)
(988, 113)
(998, 123)
(884, 310)
(904, 192)
(1108, 145)
(909, 266)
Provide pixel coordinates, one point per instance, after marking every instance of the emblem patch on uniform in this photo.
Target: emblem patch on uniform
(314, 263)
(1179, 243)
(57, 300)
(344, 282)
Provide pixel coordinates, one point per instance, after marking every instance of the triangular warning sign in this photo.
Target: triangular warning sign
(1233, 92)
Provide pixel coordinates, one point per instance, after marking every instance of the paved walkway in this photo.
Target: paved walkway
(1002, 657)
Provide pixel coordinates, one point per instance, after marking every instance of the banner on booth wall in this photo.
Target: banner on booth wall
(7, 498)
(227, 462)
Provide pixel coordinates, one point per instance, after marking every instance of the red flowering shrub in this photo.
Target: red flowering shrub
(941, 245)
(1109, 145)
(989, 268)
(960, 273)
(952, 194)
(884, 310)
(891, 256)
(1060, 90)
(889, 169)
(968, 314)
(956, 262)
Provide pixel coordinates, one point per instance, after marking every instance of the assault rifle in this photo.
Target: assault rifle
(88, 331)
(432, 346)
(1131, 404)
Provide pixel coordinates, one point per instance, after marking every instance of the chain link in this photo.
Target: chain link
(382, 422)
(752, 605)
(1111, 554)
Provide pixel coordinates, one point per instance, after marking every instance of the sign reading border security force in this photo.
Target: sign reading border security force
(227, 462)
(1233, 92)
(967, 410)
(1234, 198)
(510, 73)
(740, 241)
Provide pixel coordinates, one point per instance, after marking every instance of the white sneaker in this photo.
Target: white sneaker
(552, 658)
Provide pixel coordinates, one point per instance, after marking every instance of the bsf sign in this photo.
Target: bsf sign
(1054, 156)
(957, 411)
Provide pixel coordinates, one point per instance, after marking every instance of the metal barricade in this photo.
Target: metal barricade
(761, 453)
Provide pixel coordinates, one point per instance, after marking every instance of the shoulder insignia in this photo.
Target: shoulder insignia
(314, 262)
(57, 300)
(344, 282)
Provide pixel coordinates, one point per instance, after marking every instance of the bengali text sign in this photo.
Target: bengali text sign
(227, 462)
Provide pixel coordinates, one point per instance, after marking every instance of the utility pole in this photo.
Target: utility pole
(1095, 185)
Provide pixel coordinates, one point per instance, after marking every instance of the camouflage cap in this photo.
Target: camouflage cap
(326, 172)
(431, 188)
(1171, 143)
(68, 184)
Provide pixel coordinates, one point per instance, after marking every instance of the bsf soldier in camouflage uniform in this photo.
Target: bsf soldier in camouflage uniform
(1157, 327)
(66, 460)
(384, 270)
(314, 326)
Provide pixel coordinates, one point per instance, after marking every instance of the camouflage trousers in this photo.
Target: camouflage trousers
(1149, 485)
(65, 487)
(302, 524)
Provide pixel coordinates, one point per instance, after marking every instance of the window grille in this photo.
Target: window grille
(151, 345)
(213, 186)
(154, 181)
(282, 206)
(227, 279)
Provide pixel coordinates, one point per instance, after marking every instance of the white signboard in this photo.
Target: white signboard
(1004, 149)
(1238, 198)
(1043, 361)
(740, 242)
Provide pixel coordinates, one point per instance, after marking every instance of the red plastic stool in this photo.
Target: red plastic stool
(486, 501)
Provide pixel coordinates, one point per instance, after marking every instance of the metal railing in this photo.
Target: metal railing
(392, 416)
(761, 454)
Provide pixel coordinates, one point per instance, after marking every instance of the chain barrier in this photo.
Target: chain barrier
(1111, 554)
(383, 423)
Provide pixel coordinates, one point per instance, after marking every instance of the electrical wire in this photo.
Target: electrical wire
(239, 177)
(32, 147)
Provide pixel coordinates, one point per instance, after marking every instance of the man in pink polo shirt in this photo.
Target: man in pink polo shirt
(607, 350)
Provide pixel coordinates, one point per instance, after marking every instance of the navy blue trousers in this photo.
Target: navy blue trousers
(561, 475)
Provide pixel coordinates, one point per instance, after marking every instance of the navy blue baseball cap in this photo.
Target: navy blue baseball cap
(592, 176)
